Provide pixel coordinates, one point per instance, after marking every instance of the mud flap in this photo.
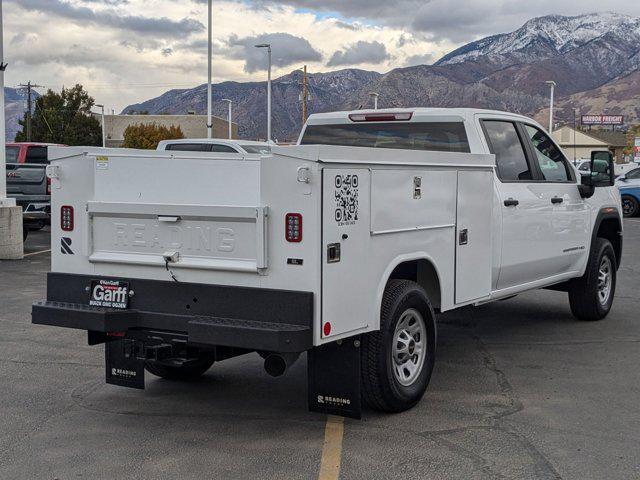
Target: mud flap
(334, 378)
(122, 369)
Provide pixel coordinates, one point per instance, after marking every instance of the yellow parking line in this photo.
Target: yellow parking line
(332, 449)
(36, 253)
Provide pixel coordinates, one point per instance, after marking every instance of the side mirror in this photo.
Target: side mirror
(602, 169)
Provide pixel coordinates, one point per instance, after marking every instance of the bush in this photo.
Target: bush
(146, 136)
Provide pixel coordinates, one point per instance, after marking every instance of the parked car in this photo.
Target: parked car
(28, 183)
(215, 145)
(629, 186)
(345, 246)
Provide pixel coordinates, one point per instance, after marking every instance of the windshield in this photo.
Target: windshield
(12, 154)
(435, 136)
(261, 149)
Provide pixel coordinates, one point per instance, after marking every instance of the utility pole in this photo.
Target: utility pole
(11, 243)
(29, 86)
(305, 95)
(552, 84)
(268, 47)
(209, 79)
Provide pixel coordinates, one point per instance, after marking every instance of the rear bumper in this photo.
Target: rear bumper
(34, 207)
(209, 315)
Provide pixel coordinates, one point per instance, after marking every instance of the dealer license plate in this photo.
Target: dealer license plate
(109, 294)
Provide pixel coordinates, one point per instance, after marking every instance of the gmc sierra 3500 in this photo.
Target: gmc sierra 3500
(344, 246)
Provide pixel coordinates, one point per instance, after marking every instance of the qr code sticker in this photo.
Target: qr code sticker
(346, 196)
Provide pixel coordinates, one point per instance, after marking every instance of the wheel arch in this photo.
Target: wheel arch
(418, 267)
(608, 225)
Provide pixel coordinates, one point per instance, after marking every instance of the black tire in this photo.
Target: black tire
(381, 390)
(584, 293)
(25, 233)
(630, 206)
(185, 373)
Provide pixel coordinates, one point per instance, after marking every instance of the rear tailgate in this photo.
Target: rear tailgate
(26, 179)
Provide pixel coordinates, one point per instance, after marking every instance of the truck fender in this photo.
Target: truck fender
(409, 257)
(610, 215)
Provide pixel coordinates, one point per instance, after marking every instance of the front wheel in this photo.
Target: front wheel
(186, 372)
(591, 296)
(630, 206)
(397, 360)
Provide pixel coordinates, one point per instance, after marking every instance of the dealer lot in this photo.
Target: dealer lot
(520, 390)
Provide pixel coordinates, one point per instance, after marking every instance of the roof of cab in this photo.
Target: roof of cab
(419, 113)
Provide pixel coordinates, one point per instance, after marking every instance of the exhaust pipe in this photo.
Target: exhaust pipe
(275, 364)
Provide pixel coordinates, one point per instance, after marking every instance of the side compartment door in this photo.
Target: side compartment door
(345, 252)
(474, 235)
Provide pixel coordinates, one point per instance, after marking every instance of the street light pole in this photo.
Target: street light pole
(104, 136)
(375, 99)
(268, 47)
(229, 117)
(552, 84)
(209, 67)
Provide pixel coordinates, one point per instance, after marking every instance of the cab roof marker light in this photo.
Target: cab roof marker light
(381, 117)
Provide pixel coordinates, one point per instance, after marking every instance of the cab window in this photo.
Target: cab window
(504, 142)
(553, 164)
(37, 155)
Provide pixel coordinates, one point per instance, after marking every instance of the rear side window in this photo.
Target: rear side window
(434, 136)
(36, 155)
(632, 174)
(263, 150)
(223, 149)
(188, 147)
(505, 144)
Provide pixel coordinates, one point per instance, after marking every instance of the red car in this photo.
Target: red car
(24, 152)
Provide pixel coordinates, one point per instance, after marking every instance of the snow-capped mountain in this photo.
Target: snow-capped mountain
(547, 36)
(505, 72)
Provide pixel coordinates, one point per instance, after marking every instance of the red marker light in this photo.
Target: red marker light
(327, 329)
(293, 227)
(66, 218)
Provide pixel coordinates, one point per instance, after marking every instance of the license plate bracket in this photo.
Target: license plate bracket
(109, 294)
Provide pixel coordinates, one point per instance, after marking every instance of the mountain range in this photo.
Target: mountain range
(593, 58)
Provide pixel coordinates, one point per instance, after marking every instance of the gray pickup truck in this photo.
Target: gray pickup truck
(27, 182)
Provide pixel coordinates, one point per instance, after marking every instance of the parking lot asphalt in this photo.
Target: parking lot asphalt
(520, 390)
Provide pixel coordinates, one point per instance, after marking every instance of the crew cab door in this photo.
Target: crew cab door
(527, 225)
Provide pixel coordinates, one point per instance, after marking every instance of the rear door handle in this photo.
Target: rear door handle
(556, 200)
(511, 202)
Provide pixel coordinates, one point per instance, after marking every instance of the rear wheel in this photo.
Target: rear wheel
(25, 233)
(397, 360)
(630, 206)
(591, 296)
(186, 372)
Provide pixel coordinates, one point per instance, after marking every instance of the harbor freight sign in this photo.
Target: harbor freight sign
(602, 120)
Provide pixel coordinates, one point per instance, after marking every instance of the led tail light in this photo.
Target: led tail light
(66, 218)
(381, 117)
(293, 227)
(48, 186)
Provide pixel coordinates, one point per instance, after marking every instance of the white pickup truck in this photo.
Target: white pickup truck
(345, 246)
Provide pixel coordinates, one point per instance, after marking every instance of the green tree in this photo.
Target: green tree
(63, 118)
(146, 136)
